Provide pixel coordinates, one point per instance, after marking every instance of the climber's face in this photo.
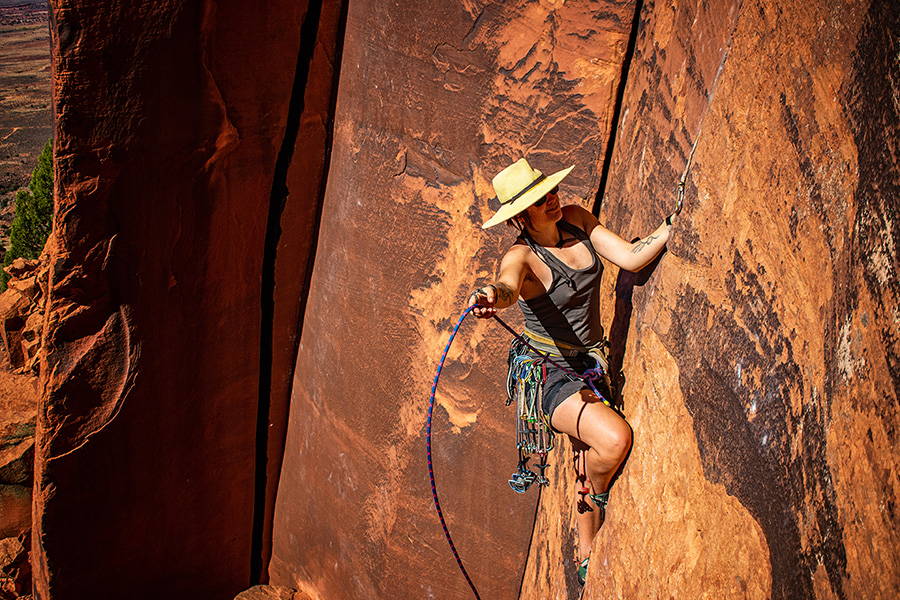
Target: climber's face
(547, 209)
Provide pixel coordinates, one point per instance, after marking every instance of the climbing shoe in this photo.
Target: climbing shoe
(600, 499)
(582, 571)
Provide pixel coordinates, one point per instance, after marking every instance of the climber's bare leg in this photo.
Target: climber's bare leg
(608, 439)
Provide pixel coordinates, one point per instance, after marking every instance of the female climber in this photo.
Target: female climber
(553, 270)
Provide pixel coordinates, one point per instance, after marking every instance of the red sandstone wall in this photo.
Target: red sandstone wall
(304, 183)
(760, 355)
(434, 98)
(169, 120)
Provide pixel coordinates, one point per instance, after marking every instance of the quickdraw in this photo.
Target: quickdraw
(525, 385)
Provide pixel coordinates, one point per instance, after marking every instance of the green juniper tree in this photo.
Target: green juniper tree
(34, 213)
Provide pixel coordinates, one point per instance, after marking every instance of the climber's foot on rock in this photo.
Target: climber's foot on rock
(582, 571)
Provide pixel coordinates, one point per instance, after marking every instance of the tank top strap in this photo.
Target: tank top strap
(556, 266)
(575, 230)
(579, 233)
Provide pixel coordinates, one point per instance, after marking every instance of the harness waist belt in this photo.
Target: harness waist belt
(559, 348)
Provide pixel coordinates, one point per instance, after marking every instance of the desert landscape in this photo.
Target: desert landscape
(26, 123)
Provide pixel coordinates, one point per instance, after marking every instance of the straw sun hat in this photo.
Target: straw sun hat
(518, 186)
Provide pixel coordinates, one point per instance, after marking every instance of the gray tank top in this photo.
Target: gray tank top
(569, 311)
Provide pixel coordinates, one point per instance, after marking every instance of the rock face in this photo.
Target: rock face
(15, 570)
(22, 314)
(271, 592)
(18, 406)
(16, 454)
(432, 102)
(759, 354)
(152, 440)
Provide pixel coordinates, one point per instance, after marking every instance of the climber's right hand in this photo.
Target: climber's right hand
(483, 299)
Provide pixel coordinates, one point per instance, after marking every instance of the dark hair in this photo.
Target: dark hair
(518, 225)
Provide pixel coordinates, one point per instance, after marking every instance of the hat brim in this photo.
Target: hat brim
(507, 211)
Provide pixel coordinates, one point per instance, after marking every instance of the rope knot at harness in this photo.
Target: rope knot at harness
(596, 375)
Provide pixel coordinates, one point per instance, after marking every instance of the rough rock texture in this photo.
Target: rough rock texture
(19, 311)
(22, 314)
(21, 324)
(271, 592)
(169, 121)
(434, 98)
(760, 354)
(18, 407)
(15, 570)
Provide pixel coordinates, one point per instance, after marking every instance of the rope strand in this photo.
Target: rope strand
(434, 494)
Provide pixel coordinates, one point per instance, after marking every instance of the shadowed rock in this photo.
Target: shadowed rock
(153, 441)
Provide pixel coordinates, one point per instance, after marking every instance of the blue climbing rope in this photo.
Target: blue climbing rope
(434, 494)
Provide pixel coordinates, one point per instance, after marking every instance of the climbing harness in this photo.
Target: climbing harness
(525, 385)
(590, 376)
(533, 433)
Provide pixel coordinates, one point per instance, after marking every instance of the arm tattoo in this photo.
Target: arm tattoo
(638, 246)
(504, 293)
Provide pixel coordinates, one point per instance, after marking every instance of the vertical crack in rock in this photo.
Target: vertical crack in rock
(617, 107)
(771, 437)
(308, 35)
(708, 92)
